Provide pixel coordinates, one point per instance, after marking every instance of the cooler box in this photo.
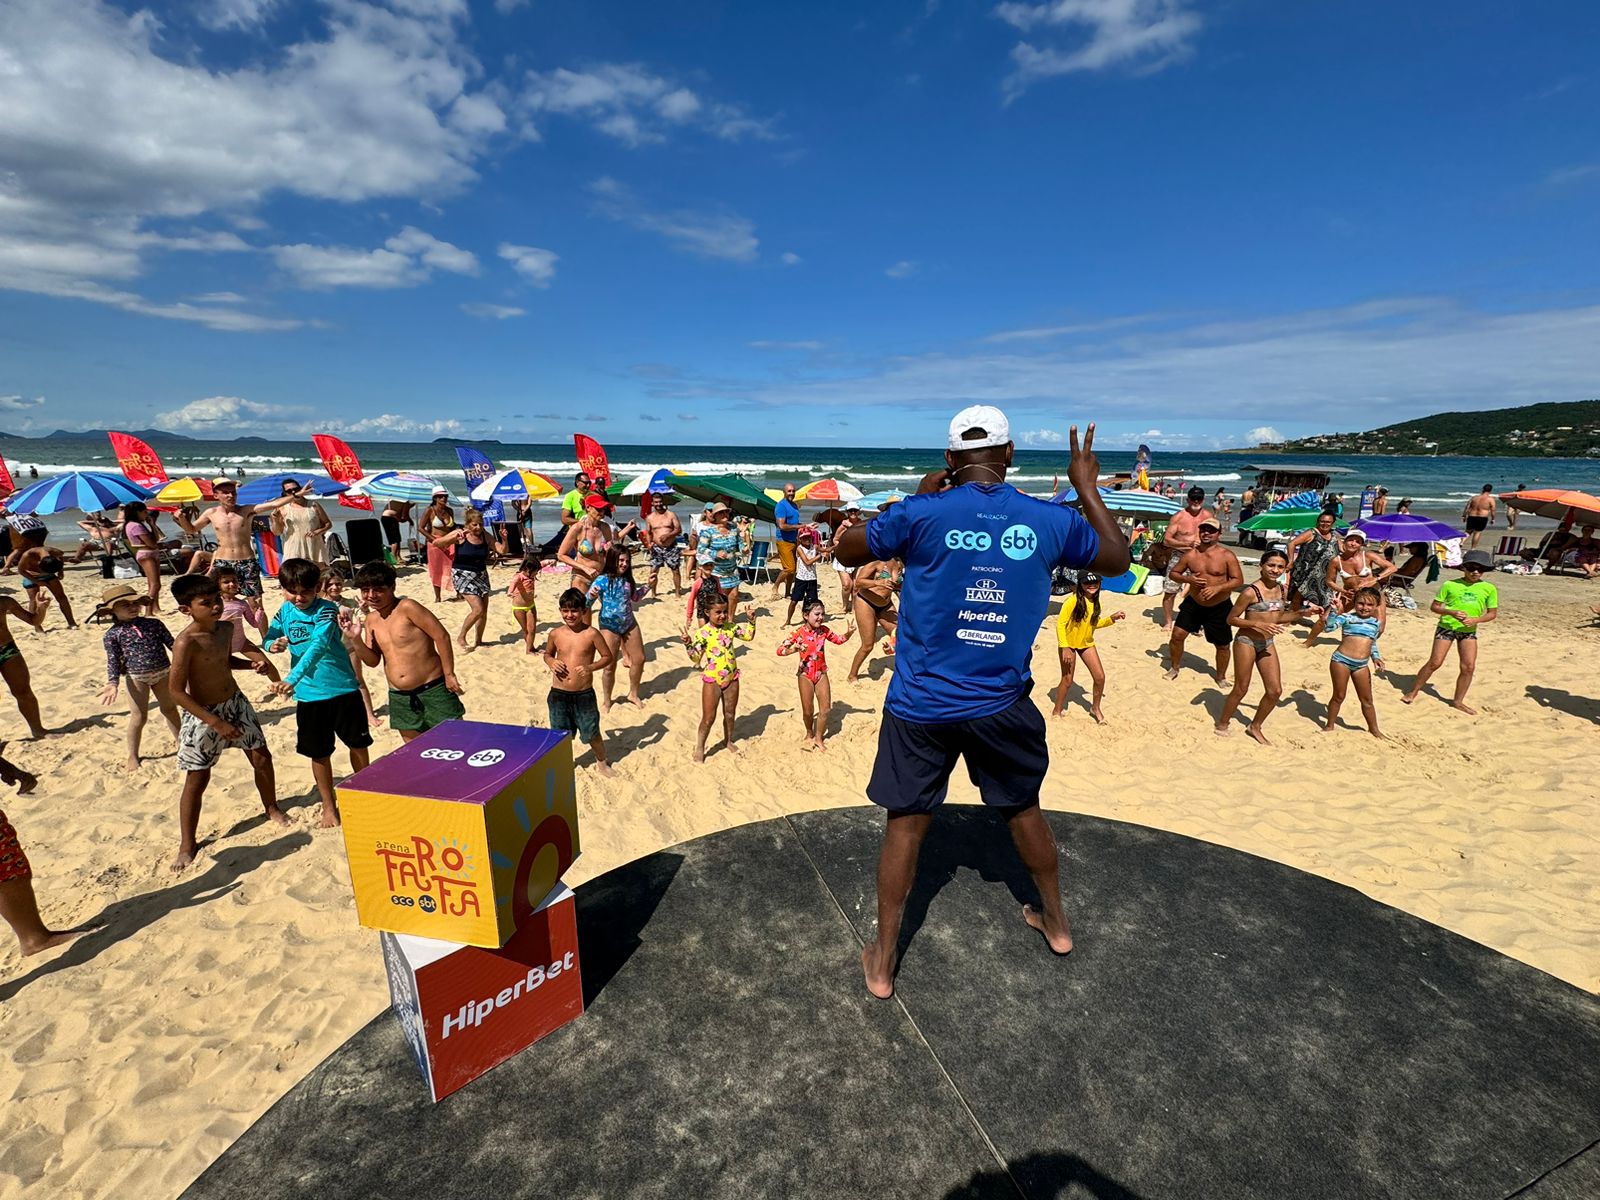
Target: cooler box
(465, 1010)
(459, 834)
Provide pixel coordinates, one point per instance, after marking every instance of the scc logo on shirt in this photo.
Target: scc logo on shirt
(968, 539)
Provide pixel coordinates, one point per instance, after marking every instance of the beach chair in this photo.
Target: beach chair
(758, 563)
(1509, 549)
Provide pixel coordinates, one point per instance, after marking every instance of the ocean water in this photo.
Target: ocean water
(1438, 486)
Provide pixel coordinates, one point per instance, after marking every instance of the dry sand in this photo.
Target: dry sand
(133, 1057)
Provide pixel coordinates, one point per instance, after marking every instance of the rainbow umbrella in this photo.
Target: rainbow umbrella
(827, 491)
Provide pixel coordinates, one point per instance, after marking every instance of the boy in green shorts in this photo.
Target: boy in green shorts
(1463, 605)
(417, 654)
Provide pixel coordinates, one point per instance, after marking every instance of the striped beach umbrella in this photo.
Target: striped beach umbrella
(656, 482)
(875, 500)
(86, 491)
(515, 484)
(270, 487)
(1127, 501)
(828, 491)
(397, 485)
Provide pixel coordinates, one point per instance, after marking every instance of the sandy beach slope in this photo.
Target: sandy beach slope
(133, 1057)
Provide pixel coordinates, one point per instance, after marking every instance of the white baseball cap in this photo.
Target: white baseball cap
(996, 429)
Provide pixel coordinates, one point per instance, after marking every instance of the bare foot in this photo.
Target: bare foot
(1326, 729)
(1459, 706)
(1060, 941)
(53, 938)
(330, 817)
(605, 769)
(1171, 673)
(879, 974)
(851, 679)
(732, 749)
(132, 764)
(1408, 698)
(185, 857)
(822, 745)
(1222, 731)
(1056, 712)
(636, 701)
(1099, 717)
(1255, 732)
(1377, 735)
(699, 755)
(1222, 680)
(605, 706)
(1167, 628)
(276, 815)
(807, 746)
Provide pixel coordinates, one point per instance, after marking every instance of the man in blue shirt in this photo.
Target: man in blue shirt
(786, 516)
(978, 558)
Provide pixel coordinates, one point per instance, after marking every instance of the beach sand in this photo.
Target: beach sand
(133, 1057)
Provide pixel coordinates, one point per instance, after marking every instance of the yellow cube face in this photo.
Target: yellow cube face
(460, 834)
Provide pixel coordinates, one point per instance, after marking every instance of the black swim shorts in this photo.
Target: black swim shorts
(318, 722)
(1477, 524)
(1006, 759)
(1193, 617)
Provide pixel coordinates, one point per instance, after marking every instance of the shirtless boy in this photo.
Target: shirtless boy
(1477, 514)
(1182, 535)
(416, 651)
(41, 568)
(574, 652)
(231, 520)
(14, 668)
(660, 535)
(1213, 574)
(216, 714)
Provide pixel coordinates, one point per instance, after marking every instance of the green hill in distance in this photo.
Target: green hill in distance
(1569, 430)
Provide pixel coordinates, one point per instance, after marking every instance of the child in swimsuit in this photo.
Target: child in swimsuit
(1361, 627)
(711, 649)
(1080, 616)
(1258, 615)
(136, 646)
(524, 601)
(810, 642)
(617, 591)
(333, 589)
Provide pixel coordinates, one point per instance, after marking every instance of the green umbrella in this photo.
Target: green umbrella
(744, 497)
(1282, 520)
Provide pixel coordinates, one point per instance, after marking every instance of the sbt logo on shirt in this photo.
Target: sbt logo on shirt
(968, 539)
(1019, 542)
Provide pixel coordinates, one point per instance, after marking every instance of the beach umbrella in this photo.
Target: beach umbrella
(744, 497)
(1406, 527)
(185, 491)
(515, 484)
(876, 500)
(827, 491)
(1299, 502)
(86, 491)
(1126, 501)
(1551, 502)
(1282, 520)
(397, 485)
(656, 482)
(270, 487)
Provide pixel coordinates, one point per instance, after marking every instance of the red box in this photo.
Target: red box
(466, 1009)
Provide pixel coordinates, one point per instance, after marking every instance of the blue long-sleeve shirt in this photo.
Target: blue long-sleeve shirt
(319, 663)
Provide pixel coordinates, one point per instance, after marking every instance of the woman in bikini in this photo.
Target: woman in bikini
(139, 527)
(1258, 614)
(1352, 569)
(469, 545)
(587, 540)
(1358, 651)
(438, 519)
(875, 585)
(616, 591)
(810, 642)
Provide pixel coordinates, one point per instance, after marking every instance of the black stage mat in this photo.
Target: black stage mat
(1227, 1027)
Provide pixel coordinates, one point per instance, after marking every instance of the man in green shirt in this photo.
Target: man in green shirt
(1463, 605)
(572, 502)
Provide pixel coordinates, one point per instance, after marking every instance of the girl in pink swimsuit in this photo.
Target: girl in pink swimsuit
(810, 642)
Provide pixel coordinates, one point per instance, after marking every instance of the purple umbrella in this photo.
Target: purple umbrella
(1406, 527)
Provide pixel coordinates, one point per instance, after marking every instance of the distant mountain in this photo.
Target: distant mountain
(1569, 430)
(147, 434)
(455, 441)
(252, 438)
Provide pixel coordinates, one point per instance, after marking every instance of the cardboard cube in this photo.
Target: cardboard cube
(460, 834)
(465, 1009)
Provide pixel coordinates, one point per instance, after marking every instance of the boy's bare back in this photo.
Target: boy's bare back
(200, 664)
(576, 651)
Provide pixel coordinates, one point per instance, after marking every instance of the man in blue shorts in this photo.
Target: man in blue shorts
(978, 558)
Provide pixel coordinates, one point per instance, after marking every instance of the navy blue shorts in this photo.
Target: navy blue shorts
(1006, 759)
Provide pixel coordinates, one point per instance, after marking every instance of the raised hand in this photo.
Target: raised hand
(1083, 470)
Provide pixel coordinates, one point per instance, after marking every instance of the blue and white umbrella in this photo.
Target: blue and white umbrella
(1127, 501)
(506, 486)
(86, 491)
(876, 500)
(397, 485)
(1300, 502)
(270, 487)
(658, 482)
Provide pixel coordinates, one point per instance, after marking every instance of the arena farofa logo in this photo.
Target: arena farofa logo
(435, 871)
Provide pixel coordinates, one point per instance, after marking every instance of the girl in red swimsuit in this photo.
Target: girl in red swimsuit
(810, 642)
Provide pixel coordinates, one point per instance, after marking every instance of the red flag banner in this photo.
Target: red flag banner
(138, 462)
(592, 459)
(6, 486)
(342, 466)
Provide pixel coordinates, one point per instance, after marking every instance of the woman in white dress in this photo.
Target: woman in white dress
(303, 525)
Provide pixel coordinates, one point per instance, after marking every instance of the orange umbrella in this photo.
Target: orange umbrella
(1551, 502)
(828, 490)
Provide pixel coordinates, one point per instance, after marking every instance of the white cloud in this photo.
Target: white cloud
(105, 136)
(707, 234)
(394, 425)
(1143, 34)
(506, 7)
(218, 298)
(1050, 332)
(633, 104)
(1042, 437)
(904, 269)
(790, 259)
(493, 312)
(234, 14)
(1562, 176)
(537, 266)
(1263, 434)
(19, 403)
(236, 415)
(806, 346)
(405, 260)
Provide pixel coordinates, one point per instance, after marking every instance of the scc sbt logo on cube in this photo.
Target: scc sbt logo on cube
(968, 539)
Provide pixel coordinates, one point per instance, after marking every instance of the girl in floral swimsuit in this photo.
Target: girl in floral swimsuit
(617, 592)
(810, 642)
(711, 649)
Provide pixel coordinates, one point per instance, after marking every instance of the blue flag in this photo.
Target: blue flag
(477, 468)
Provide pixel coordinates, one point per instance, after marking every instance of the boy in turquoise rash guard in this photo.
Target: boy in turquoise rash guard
(1463, 605)
(320, 677)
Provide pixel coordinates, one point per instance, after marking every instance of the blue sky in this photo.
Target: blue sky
(750, 223)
